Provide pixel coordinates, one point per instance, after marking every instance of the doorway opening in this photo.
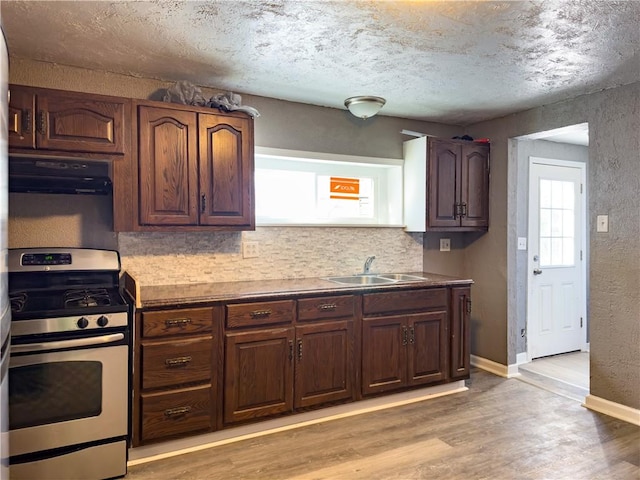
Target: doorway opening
(548, 279)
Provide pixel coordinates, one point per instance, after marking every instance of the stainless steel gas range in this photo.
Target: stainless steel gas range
(69, 379)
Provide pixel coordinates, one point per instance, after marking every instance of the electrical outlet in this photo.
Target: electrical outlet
(250, 249)
(445, 244)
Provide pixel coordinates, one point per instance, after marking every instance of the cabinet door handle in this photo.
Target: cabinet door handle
(178, 361)
(463, 213)
(404, 336)
(299, 350)
(412, 336)
(26, 121)
(469, 306)
(290, 350)
(176, 322)
(173, 412)
(203, 203)
(260, 313)
(42, 122)
(327, 307)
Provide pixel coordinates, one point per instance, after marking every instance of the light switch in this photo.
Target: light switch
(602, 223)
(445, 244)
(522, 243)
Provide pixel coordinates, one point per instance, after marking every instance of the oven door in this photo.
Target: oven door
(67, 392)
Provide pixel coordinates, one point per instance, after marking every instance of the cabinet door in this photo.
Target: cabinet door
(474, 193)
(443, 184)
(77, 122)
(168, 167)
(22, 107)
(460, 332)
(226, 170)
(258, 378)
(324, 369)
(384, 354)
(427, 347)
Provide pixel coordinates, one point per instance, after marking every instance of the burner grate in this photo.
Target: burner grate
(98, 297)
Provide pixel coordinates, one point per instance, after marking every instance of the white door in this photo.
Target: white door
(556, 310)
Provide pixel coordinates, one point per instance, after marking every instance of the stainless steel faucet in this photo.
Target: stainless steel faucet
(367, 264)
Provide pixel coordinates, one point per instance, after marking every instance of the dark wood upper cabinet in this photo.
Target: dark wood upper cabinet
(225, 170)
(446, 185)
(66, 121)
(195, 169)
(168, 167)
(458, 186)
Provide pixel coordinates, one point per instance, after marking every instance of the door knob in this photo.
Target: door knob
(537, 271)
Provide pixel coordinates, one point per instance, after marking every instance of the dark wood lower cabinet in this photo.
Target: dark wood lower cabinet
(283, 355)
(384, 354)
(258, 380)
(268, 372)
(185, 410)
(325, 369)
(460, 332)
(403, 350)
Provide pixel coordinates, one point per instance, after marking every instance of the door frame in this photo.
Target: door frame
(583, 243)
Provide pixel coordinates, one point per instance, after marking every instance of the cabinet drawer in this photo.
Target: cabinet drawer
(408, 300)
(177, 362)
(173, 322)
(262, 313)
(176, 412)
(325, 307)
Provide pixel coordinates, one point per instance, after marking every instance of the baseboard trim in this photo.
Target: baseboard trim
(613, 409)
(506, 371)
(522, 358)
(149, 453)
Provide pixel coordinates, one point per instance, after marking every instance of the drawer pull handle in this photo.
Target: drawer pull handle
(177, 362)
(173, 412)
(41, 122)
(26, 121)
(260, 313)
(327, 307)
(177, 322)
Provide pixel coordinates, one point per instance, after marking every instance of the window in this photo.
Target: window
(557, 224)
(304, 188)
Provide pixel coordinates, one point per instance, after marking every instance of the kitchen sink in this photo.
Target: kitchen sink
(381, 279)
(401, 277)
(361, 280)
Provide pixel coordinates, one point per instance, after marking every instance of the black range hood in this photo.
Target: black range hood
(59, 176)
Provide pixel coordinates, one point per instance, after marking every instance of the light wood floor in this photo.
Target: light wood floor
(498, 429)
(566, 374)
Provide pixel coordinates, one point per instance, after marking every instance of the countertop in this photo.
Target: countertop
(155, 296)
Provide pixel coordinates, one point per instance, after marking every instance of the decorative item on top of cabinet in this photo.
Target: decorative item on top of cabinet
(195, 169)
(404, 339)
(176, 374)
(446, 185)
(55, 120)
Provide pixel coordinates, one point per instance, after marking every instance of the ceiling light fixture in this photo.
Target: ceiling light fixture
(364, 106)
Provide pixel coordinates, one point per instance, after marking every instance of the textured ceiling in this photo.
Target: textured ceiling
(452, 62)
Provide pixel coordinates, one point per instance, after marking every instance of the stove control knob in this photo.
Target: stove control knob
(103, 321)
(83, 322)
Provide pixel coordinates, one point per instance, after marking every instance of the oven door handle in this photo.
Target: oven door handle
(58, 345)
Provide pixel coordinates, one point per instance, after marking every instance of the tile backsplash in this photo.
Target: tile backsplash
(283, 252)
